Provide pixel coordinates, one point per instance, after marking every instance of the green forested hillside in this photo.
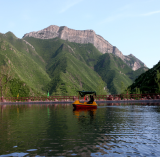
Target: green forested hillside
(40, 65)
(148, 82)
(117, 74)
(134, 74)
(69, 65)
(113, 71)
(48, 48)
(23, 62)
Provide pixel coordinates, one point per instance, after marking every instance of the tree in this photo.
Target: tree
(138, 92)
(4, 77)
(157, 80)
(122, 87)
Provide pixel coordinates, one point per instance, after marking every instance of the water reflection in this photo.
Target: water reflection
(59, 130)
(84, 112)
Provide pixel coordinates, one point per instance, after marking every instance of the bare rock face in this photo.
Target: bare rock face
(77, 36)
(83, 37)
(134, 62)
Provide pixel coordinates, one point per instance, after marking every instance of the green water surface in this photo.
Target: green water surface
(58, 130)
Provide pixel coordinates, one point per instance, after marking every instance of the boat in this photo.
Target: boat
(90, 104)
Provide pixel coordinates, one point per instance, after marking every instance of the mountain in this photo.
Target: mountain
(84, 37)
(75, 58)
(148, 82)
(27, 67)
(49, 65)
(69, 65)
(115, 72)
(45, 63)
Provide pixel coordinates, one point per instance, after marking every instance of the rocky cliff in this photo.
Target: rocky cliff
(83, 37)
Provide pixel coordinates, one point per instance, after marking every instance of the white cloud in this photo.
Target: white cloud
(120, 13)
(112, 18)
(151, 13)
(69, 5)
(120, 16)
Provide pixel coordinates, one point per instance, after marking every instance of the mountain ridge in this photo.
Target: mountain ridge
(112, 72)
(147, 82)
(83, 37)
(60, 67)
(24, 63)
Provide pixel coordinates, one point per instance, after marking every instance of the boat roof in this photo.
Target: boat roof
(83, 93)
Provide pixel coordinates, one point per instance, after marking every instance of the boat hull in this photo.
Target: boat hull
(80, 105)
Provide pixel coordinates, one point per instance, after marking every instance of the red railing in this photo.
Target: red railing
(39, 98)
(129, 97)
(72, 98)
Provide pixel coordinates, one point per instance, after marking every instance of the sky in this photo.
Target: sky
(133, 26)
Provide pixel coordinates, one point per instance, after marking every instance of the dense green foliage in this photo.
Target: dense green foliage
(19, 88)
(134, 74)
(148, 82)
(69, 65)
(23, 61)
(60, 67)
(70, 74)
(115, 72)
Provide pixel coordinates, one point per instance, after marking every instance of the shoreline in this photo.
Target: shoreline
(70, 102)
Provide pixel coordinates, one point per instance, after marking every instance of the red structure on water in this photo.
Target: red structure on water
(120, 97)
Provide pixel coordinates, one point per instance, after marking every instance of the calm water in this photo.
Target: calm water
(58, 130)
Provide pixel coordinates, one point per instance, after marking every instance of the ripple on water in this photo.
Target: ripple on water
(15, 154)
(31, 150)
(128, 130)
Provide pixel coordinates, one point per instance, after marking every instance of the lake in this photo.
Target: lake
(58, 130)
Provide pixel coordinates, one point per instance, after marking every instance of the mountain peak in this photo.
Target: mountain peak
(82, 37)
(10, 34)
(131, 55)
(77, 36)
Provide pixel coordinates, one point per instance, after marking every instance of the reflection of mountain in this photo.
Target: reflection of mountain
(21, 126)
(57, 129)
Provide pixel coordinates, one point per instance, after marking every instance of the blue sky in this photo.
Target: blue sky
(133, 26)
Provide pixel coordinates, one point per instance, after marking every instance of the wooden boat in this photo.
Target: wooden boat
(90, 104)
